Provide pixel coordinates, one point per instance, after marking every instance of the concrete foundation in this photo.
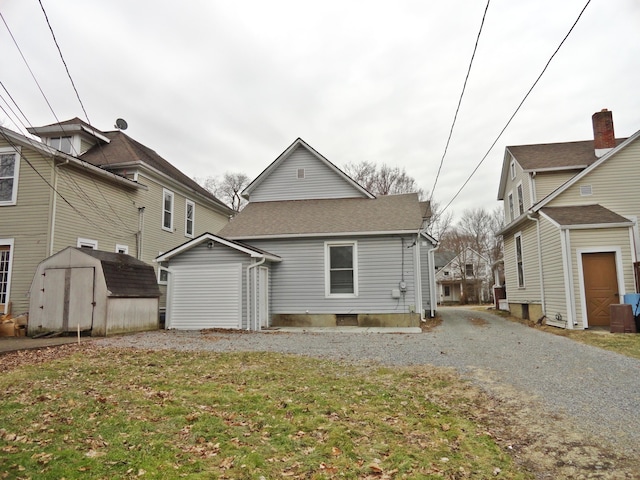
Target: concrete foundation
(361, 320)
(526, 311)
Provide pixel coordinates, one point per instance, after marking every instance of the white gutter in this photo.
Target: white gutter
(253, 265)
(540, 271)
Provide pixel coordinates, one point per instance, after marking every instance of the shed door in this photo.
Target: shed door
(600, 286)
(68, 299)
(205, 297)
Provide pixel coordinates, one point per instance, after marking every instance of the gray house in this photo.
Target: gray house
(311, 248)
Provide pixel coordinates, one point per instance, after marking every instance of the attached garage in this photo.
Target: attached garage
(217, 283)
(102, 293)
(205, 297)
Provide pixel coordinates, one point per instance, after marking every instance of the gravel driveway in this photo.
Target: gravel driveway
(600, 390)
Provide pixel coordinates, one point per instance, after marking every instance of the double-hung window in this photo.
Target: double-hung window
(468, 270)
(63, 144)
(510, 202)
(167, 210)
(341, 272)
(519, 260)
(8, 176)
(189, 216)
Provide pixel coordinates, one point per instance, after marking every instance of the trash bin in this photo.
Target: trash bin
(633, 299)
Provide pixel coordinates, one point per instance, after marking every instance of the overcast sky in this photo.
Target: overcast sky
(217, 86)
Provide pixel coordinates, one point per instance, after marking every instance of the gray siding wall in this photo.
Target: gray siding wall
(298, 283)
(218, 255)
(554, 271)
(319, 181)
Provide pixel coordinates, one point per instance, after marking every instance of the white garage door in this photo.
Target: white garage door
(205, 297)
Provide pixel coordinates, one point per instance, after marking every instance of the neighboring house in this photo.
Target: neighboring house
(82, 187)
(571, 233)
(311, 248)
(466, 278)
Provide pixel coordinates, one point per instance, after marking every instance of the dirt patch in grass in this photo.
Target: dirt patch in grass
(479, 322)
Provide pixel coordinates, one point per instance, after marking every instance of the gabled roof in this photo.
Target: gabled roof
(284, 155)
(253, 252)
(549, 157)
(123, 151)
(586, 216)
(327, 217)
(125, 275)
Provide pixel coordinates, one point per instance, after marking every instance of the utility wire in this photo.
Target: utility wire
(518, 108)
(464, 86)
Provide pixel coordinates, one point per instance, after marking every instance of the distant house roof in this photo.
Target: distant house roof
(566, 155)
(125, 275)
(587, 215)
(385, 214)
(441, 258)
(123, 149)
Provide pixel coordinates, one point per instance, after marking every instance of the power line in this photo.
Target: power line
(464, 86)
(518, 108)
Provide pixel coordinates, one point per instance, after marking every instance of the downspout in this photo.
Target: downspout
(542, 300)
(139, 234)
(418, 273)
(248, 279)
(432, 278)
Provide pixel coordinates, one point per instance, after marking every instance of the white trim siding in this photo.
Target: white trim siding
(189, 220)
(122, 248)
(167, 210)
(5, 273)
(87, 242)
(328, 269)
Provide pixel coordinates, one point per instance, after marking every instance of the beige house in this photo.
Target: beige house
(466, 278)
(571, 234)
(82, 187)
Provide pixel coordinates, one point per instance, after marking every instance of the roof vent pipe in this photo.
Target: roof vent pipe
(604, 138)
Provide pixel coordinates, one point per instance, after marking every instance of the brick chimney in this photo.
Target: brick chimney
(604, 138)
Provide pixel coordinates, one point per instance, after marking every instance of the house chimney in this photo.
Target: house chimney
(604, 138)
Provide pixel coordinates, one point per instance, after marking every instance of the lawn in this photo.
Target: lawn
(108, 413)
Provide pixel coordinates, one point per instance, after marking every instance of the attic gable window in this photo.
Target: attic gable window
(301, 174)
(62, 143)
(520, 199)
(512, 168)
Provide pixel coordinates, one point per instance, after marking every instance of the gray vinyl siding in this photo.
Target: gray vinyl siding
(27, 223)
(600, 239)
(320, 181)
(298, 282)
(553, 268)
(530, 293)
(201, 255)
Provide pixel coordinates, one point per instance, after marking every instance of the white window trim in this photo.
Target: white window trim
(515, 246)
(327, 269)
(173, 201)
(16, 177)
(186, 218)
(8, 242)
(124, 248)
(511, 207)
(87, 242)
(520, 198)
(163, 282)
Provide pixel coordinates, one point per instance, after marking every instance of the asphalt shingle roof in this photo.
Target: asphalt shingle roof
(556, 155)
(327, 216)
(583, 215)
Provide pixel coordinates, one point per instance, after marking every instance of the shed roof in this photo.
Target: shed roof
(385, 214)
(126, 276)
(584, 215)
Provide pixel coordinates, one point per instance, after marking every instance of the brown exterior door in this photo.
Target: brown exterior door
(600, 286)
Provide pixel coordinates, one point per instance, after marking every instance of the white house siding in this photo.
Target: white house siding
(547, 182)
(597, 239)
(27, 223)
(553, 267)
(320, 181)
(201, 255)
(531, 291)
(298, 283)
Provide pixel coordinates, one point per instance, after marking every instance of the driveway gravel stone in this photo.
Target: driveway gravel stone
(598, 389)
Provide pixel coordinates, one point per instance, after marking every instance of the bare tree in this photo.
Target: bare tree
(383, 180)
(227, 188)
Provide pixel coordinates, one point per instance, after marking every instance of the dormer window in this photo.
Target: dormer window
(63, 144)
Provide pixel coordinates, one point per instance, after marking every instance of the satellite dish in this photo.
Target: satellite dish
(121, 124)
